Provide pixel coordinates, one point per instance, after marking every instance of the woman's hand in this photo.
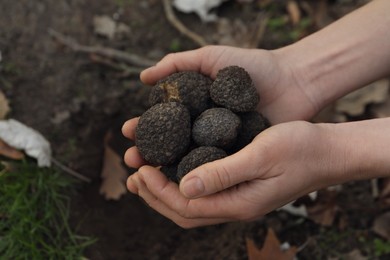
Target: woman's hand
(282, 95)
(283, 163)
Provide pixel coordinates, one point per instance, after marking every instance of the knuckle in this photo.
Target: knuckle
(221, 178)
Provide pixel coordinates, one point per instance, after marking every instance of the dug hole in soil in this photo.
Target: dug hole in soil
(74, 103)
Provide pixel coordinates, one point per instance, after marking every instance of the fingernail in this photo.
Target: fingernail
(193, 187)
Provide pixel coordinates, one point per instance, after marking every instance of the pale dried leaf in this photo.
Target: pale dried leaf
(113, 174)
(10, 152)
(381, 225)
(201, 7)
(22, 137)
(271, 249)
(4, 105)
(294, 12)
(104, 26)
(295, 210)
(355, 103)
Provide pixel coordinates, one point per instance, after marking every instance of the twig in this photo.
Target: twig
(70, 171)
(180, 26)
(260, 26)
(126, 70)
(102, 51)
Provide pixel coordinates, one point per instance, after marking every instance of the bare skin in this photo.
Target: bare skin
(293, 157)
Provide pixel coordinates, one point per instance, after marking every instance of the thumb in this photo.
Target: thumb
(221, 174)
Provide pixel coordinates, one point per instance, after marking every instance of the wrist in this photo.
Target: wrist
(358, 150)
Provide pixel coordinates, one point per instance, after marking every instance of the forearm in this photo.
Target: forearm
(344, 56)
(358, 150)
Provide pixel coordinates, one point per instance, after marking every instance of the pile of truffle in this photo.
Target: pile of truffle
(194, 120)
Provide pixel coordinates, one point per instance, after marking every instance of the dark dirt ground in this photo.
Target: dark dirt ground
(75, 102)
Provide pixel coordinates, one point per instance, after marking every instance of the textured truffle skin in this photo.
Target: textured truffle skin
(189, 88)
(216, 127)
(233, 88)
(252, 123)
(170, 171)
(197, 157)
(163, 133)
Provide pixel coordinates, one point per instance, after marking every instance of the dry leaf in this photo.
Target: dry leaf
(23, 137)
(324, 209)
(4, 105)
(270, 250)
(294, 12)
(10, 152)
(354, 255)
(104, 26)
(382, 225)
(113, 173)
(355, 103)
(201, 7)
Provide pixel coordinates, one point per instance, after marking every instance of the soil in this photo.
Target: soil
(74, 102)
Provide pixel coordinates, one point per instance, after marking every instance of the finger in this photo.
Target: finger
(171, 63)
(128, 128)
(133, 158)
(228, 205)
(221, 174)
(131, 184)
(159, 206)
(207, 60)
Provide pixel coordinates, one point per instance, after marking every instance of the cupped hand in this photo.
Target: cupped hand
(247, 184)
(283, 163)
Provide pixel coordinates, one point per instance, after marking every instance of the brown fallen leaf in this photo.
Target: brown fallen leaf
(270, 250)
(10, 152)
(354, 104)
(325, 208)
(294, 12)
(113, 173)
(381, 225)
(4, 105)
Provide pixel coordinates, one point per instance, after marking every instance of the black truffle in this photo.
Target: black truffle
(170, 171)
(163, 133)
(189, 88)
(252, 123)
(216, 127)
(233, 88)
(197, 157)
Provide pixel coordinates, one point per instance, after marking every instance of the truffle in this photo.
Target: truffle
(216, 127)
(170, 172)
(163, 133)
(197, 157)
(233, 88)
(252, 123)
(189, 88)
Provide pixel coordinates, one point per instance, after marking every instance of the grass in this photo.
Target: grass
(34, 214)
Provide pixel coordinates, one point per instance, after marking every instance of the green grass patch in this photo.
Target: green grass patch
(34, 214)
